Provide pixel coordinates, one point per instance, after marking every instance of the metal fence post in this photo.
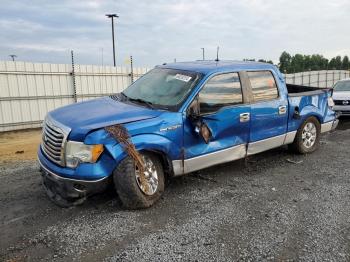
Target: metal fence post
(131, 70)
(318, 79)
(302, 78)
(326, 78)
(333, 78)
(294, 78)
(309, 78)
(73, 78)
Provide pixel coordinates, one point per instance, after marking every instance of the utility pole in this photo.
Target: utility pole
(13, 57)
(203, 53)
(112, 16)
(217, 54)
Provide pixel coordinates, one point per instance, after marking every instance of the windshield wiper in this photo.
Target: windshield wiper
(139, 100)
(124, 95)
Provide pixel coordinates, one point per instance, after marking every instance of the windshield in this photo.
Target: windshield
(166, 88)
(342, 86)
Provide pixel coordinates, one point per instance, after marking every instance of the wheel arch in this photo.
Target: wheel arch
(158, 145)
(309, 111)
(164, 159)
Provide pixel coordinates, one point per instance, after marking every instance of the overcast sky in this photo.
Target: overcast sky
(157, 31)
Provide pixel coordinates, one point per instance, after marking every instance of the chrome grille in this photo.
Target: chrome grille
(53, 142)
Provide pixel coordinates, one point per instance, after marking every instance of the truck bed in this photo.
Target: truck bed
(306, 99)
(299, 90)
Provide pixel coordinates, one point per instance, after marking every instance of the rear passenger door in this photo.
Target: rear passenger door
(269, 114)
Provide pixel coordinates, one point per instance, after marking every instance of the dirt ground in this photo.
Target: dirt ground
(276, 206)
(19, 145)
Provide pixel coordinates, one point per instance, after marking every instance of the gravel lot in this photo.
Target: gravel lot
(273, 206)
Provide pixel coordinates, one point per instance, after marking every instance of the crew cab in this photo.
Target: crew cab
(180, 117)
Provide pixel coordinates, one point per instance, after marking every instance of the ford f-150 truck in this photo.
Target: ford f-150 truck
(176, 119)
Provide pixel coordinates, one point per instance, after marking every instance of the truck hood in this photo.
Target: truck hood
(84, 117)
(341, 95)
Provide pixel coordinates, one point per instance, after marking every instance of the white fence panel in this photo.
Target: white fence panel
(29, 90)
(322, 79)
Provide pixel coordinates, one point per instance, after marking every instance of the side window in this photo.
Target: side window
(219, 91)
(263, 85)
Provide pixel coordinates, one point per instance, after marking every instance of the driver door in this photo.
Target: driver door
(224, 111)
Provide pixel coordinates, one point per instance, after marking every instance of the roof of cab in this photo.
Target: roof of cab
(212, 66)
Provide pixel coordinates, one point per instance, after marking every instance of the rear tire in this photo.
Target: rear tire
(307, 139)
(129, 188)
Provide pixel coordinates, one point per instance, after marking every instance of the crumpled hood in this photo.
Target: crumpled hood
(341, 95)
(97, 113)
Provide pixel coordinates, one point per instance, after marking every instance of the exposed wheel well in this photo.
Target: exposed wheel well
(166, 162)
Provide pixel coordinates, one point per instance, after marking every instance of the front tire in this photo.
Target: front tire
(307, 139)
(132, 193)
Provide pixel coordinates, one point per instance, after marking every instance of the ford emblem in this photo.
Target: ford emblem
(345, 102)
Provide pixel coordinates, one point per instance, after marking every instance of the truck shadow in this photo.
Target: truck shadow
(344, 123)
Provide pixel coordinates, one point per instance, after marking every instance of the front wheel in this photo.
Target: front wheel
(135, 192)
(307, 139)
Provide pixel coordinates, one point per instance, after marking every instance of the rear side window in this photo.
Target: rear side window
(220, 91)
(263, 85)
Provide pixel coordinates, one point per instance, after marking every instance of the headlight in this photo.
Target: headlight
(77, 152)
(330, 102)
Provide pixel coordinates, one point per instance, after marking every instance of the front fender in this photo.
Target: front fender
(149, 142)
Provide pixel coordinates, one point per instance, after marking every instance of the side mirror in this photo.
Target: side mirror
(200, 127)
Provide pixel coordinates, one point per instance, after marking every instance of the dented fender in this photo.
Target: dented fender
(149, 142)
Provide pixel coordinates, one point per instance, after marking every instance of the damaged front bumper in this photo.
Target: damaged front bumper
(67, 192)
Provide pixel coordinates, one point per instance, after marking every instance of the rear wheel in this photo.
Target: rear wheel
(307, 139)
(135, 192)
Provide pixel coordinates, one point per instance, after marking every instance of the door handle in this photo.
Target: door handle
(282, 110)
(244, 117)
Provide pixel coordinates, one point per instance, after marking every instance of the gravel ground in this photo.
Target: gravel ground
(273, 206)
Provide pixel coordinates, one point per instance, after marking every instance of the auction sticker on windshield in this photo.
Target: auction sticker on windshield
(182, 77)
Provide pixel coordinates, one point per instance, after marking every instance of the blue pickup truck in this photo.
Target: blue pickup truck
(176, 119)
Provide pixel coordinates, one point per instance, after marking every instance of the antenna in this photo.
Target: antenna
(217, 54)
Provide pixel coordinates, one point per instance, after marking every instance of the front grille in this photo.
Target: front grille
(342, 102)
(53, 141)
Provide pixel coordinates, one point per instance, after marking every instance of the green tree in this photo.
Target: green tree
(307, 63)
(285, 62)
(297, 64)
(338, 63)
(345, 63)
(335, 63)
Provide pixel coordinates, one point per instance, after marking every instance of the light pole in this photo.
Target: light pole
(202, 52)
(112, 16)
(13, 57)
